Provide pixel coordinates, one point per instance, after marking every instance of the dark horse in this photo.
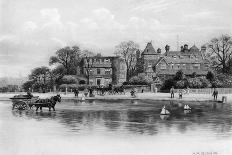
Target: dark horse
(49, 103)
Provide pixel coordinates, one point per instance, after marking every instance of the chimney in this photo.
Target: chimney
(185, 47)
(181, 48)
(158, 50)
(167, 47)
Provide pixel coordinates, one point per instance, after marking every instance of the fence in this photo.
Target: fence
(209, 91)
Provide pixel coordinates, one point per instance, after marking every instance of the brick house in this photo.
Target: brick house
(104, 70)
(189, 60)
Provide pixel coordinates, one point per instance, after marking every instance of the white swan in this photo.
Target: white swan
(164, 111)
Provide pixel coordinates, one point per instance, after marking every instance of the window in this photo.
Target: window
(163, 66)
(98, 71)
(174, 56)
(172, 66)
(196, 66)
(178, 66)
(107, 60)
(184, 66)
(107, 71)
(90, 72)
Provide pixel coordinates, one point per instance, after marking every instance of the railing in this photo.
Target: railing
(208, 91)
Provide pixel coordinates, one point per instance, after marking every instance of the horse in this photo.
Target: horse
(49, 103)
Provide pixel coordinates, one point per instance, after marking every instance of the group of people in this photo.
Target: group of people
(181, 91)
(172, 91)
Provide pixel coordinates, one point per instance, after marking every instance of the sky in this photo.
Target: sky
(32, 30)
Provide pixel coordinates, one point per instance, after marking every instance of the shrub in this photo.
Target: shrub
(210, 76)
(139, 80)
(179, 75)
(168, 84)
(68, 79)
(82, 82)
(182, 84)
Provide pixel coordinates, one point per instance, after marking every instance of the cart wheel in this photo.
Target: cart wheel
(15, 106)
(22, 105)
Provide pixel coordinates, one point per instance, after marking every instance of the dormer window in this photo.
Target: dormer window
(106, 60)
(149, 65)
(174, 56)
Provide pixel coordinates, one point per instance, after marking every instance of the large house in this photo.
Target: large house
(189, 60)
(104, 70)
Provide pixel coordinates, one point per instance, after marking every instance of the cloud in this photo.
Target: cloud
(153, 6)
(89, 23)
(29, 26)
(50, 14)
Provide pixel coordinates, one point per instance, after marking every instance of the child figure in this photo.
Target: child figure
(180, 94)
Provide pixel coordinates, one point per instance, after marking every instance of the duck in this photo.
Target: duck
(186, 107)
(164, 111)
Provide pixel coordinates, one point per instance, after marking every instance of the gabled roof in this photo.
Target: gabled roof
(160, 59)
(194, 48)
(149, 49)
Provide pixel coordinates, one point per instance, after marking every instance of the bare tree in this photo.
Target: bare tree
(127, 50)
(219, 50)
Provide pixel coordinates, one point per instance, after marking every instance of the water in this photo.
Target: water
(117, 127)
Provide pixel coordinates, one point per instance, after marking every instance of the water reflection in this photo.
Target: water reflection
(136, 117)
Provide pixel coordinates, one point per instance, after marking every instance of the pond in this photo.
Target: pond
(117, 127)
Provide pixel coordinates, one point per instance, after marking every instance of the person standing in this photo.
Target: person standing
(180, 94)
(172, 92)
(215, 94)
(76, 91)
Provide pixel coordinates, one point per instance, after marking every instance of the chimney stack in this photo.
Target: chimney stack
(181, 48)
(167, 48)
(185, 47)
(158, 50)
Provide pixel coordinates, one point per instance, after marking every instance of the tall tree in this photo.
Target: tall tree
(40, 76)
(69, 57)
(127, 50)
(220, 50)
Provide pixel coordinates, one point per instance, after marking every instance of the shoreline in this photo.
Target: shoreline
(140, 96)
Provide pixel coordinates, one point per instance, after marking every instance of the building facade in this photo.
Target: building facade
(189, 60)
(104, 70)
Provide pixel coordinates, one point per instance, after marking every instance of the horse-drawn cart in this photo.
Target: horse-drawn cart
(23, 102)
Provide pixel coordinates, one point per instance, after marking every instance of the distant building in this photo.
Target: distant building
(104, 70)
(189, 60)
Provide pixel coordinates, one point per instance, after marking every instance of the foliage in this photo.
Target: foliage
(198, 82)
(68, 79)
(179, 75)
(68, 57)
(194, 74)
(82, 82)
(210, 76)
(139, 80)
(127, 50)
(182, 84)
(168, 84)
(220, 50)
(27, 85)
